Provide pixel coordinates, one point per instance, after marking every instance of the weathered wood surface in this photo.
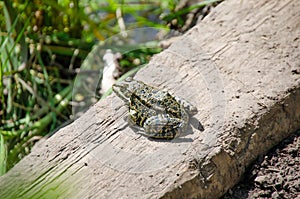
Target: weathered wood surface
(240, 66)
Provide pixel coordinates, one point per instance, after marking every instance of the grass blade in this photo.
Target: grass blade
(3, 153)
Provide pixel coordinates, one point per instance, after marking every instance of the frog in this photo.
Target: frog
(157, 113)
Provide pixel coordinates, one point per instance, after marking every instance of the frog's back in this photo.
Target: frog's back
(150, 96)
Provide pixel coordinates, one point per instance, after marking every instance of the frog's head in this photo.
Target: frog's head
(126, 88)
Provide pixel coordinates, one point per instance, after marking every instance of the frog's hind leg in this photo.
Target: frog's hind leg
(164, 126)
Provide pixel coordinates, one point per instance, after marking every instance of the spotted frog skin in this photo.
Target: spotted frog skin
(160, 114)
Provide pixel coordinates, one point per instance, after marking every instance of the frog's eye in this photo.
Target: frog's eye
(128, 79)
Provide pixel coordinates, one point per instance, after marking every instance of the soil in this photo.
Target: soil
(276, 175)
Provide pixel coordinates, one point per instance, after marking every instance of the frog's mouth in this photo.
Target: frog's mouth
(125, 89)
(120, 92)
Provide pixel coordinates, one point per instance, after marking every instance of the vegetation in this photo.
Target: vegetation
(43, 44)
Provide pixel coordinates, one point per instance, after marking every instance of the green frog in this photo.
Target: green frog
(158, 113)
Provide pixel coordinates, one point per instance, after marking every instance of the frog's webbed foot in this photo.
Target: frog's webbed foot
(164, 126)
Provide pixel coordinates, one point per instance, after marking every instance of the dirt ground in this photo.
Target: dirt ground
(276, 175)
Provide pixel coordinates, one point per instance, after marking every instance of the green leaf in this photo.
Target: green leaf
(3, 153)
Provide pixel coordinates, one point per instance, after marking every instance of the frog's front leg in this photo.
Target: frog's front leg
(164, 126)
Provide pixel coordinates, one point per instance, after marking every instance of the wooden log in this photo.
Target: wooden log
(240, 67)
